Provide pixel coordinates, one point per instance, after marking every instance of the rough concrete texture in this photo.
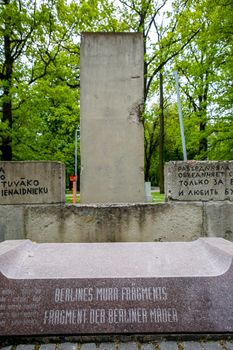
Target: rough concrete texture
(154, 345)
(34, 182)
(173, 221)
(219, 219)
(199, 180)
(11, 222)
(130, 223)
(112, 151)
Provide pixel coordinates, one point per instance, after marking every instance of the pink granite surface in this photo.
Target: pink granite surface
(116, 288)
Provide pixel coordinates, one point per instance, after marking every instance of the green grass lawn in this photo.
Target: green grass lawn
(156, 197)
(69, 197)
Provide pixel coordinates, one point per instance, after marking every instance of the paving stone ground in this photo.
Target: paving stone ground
(160, 345)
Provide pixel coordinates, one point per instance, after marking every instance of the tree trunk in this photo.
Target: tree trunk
(6, 145)
(147, 170)
(203, 144)
(145, 71)
(161, 135)
(6, 142)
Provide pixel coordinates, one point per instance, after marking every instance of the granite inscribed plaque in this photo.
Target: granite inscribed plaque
(55, 288)
(199, 180)
(32, 182)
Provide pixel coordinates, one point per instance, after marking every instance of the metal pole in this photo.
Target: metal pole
(75, 168)
(76, 154)
(180, 116)
(76, 158)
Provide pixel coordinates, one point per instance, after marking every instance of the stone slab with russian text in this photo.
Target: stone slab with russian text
(199, 180)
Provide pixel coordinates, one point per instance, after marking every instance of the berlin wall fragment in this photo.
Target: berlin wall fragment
(120, 288)
(112, 142)
(32, 182)
(199, 180)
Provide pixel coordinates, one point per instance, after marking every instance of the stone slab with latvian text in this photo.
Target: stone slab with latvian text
(32, 182)
(104, 288)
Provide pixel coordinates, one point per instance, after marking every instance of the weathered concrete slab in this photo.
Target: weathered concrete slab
(229, 345)
(48, 347)
(12, 224)
(107, 346)
(168, 345)
(67, 346)
(192, 345)
(148, 346)
(88, 346)
(116, 288)
(34, 182)
(199, 180)
(126, 223)
(25, 347)
(219, 219)
(112, 142)
(172, 221)
(128, 346)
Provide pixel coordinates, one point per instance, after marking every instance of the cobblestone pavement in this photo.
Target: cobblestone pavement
(162, 345)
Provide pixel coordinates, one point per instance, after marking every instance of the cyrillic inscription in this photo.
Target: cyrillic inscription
(194, 180)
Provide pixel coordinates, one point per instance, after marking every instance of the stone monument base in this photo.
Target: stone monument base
(120, 288)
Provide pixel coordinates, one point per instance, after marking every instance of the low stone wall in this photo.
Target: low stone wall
(173, 221)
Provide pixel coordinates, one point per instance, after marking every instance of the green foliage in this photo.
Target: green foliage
(43, 87)
(40, 77)
(206, 86)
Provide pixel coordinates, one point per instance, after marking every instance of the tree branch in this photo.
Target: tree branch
(131, 7)
(162, 64)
